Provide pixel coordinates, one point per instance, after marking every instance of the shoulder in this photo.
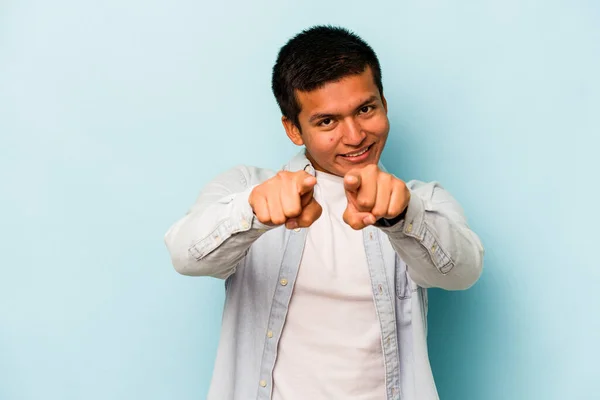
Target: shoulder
(421, 186)
(243, 175)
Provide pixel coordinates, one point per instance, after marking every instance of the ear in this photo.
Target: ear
(292, 131)
(384, 101)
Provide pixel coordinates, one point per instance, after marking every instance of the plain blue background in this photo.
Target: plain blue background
(114, 114)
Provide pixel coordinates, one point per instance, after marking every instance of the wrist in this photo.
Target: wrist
(389, 222)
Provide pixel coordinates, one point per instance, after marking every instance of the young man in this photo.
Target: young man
(328, 260)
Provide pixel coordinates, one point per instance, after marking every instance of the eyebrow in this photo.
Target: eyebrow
(319, 116)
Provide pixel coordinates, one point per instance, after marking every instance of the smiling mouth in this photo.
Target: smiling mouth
(358, 153)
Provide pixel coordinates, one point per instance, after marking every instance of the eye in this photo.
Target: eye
(326, 122)
(365, 109)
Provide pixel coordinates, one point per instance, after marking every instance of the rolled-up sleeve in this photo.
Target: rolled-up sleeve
(212, 238)
(435, 240)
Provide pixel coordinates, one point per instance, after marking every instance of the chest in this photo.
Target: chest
(349, 258)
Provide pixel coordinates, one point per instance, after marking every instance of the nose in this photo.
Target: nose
(353, 133)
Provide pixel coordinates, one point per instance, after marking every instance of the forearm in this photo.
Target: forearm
(218, 231)
(435, 241)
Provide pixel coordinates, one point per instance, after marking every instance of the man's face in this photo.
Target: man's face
(344, 124)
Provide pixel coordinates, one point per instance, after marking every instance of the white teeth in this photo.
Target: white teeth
(357, 154)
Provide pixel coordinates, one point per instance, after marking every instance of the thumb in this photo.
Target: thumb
(310, 213)
(357, 219)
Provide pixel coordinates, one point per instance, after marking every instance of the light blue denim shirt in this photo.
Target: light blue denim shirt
(220, 237)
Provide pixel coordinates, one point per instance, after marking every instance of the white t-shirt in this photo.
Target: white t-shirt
(330, 346)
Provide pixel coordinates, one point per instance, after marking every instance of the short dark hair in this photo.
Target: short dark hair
(316, 56)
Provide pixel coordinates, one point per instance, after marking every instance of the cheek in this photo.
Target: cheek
(324, 147)
(326, 142)
(322, 143)
(378, 126)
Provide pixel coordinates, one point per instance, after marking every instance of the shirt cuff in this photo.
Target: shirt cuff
(243, 217)
(412, 223)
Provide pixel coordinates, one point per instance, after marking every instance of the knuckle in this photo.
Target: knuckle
(305, 222)
(278, 220)
(351, 220)
(282, 174)
(400, 184)
(299, 175)
(371, 168)
(306, 219)
(293, 211)
(263, 218)
(378, 212)
(346, 218)
(364, 203)
(319, 210)
(258, 190)
(271, 198)
(394, 212)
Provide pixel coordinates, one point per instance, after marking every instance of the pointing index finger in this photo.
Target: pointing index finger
(305, 184)
(352, 181)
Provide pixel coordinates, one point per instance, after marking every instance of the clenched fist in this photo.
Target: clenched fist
(373, 194)
(287, 198)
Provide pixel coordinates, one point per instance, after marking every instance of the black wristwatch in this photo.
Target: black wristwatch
(387, 223)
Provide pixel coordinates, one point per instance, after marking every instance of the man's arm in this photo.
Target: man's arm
(216, 233)
(435, 241)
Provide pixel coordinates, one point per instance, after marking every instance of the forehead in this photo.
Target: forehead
(339, 96)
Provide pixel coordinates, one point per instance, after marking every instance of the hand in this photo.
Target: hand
(373, 194)
(286, 198)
